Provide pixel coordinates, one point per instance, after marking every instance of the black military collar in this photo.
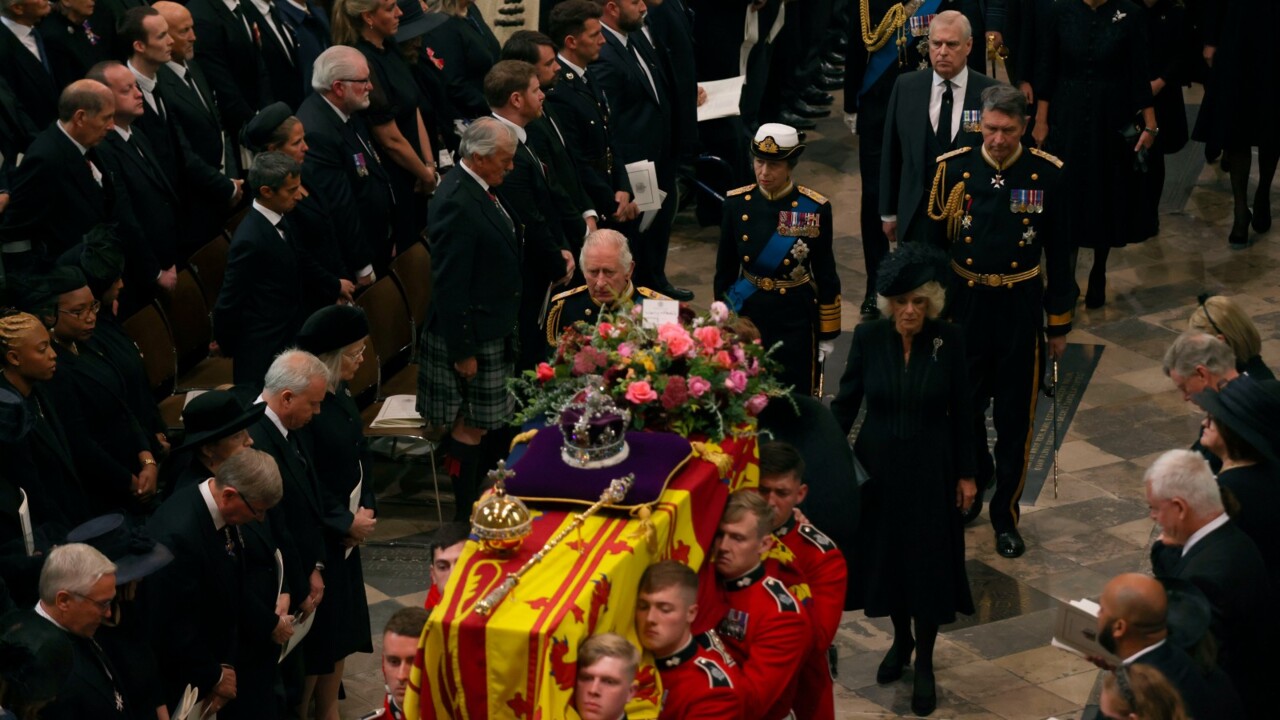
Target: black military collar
(786, 527)
(754, 576)
(683, 655)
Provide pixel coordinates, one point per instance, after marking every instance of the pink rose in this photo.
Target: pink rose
(698, 386)
(640, 392)
(723, 359)
(739, 354)
(719, 311)
(676, 393)
(545, 372)
(605, 329)
(625, 350)
(709, 336)
(676, 339)
(737, 381)
(756, 403)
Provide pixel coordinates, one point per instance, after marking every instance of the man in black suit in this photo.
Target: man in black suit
(27, 67)
(310, 26)
(631, 75)
(581, 112)
(259, 309)
(1198, 543)
(279, 51)
(77, 587)
(515, 96)
(669, 29)
(186, 92)
(191, 604)
(61, 191)
(16, 133)
(77, 36)
(951, 96)
(231, 58)
(341, 168)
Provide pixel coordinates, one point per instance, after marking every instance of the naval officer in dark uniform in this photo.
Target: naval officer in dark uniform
(775, 264)
(998, 206)
(607, 266)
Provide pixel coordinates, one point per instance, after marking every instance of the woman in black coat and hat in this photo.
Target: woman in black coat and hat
(337, 335)
(916, 445)
(217, 427)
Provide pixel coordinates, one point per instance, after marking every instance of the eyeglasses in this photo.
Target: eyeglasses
(357, 81)
(103, 605)
(257, 514)
(356, 354)
(1204, 298)
(84, 312)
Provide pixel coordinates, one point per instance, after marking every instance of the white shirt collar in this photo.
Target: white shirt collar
(263, 7)
(124, 132)
(463, 164)
(1209, 527)
(146, 84)
(206, 492)
(271, 215)
(345, 117)
(1133, 658)
(275, 419)
(231, 4)
(622, 37)
(22, 31)
(45, 614)
(179, 69)
(79, 147)
(520, 132)
(582, 72)
(301, 6)
(957, 82)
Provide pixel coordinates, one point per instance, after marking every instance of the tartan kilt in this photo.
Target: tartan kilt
(487, 403)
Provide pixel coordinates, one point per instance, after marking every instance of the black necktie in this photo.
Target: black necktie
(944, 115)
(505, 216)
(191, 83)
(44, 56)
(239, 12)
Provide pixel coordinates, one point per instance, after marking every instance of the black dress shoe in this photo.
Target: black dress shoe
(1262, 212)
(1009, 544)
(894, 661)
(805, 110)
(1239, 237)
(828, 69)
(816, 97)
(924, 692)
(869, 308)
(789, 118)
(827, 83)
(676, 293)
(1096, 296)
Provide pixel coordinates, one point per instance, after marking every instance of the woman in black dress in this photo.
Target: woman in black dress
(1219, 316)
(915, 444)
(337, 335)
(465, 50)
(1095, 90)
(395, 120)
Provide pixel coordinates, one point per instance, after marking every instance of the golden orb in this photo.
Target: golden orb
(500, 521)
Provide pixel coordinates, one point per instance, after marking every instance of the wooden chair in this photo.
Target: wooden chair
(150, 332)
(236, 218)
(412, 272)
(209, 264)
(390, 330)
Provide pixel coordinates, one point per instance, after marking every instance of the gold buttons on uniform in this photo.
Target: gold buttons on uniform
(786, 261)
(745, 238)
(795, 203)
(1013, 265)
(968, 238)
(1035, 176)
(782, 291)
(968, 261)
(971, 283)
(966, 175)
(588, 311)
(1026, 221)
(746, 258)
(1022, 243)
(744, 217)
(746, 197)
(968, 197)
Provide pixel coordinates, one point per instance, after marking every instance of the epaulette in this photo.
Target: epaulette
(716, 676)
(812, 194)
(784, 599)
(954, 153)
(817, 537)
(651, 293)
(568, 293)
(1042, 154)
(739, 191)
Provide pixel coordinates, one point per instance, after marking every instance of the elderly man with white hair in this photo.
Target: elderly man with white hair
(1200, 544)
(1196, 362)
(341, 168)
(607, 267)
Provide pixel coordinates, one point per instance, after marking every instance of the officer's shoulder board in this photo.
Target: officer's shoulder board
(651, 293)
(812, 194)
(1046, 156)
(954, 153)
(716, 676)
(776, 588)
(569, 293)
(739, 191)
(816, 536)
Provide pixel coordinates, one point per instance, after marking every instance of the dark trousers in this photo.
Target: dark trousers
(875, 245)
(1002, 341)
(651, 251)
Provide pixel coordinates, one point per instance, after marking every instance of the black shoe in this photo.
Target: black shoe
(816, 97)
(827, 68)
(924, 692)
(869, 308)
(805, 110)
(1262, 212)
(676, 293)
(1096, 296)
(894, 661)
(789, 118)
(1239, 237)
(828, 83)
(1009, 544)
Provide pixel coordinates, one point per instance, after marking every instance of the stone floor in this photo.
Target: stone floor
(997, 663)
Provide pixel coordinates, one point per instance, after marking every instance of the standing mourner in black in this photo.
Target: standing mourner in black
(775, 264)
(27, 68)
(462, 49)
(1095, 96)
(76, 37)
(279, 48)
(998, 207)
(917, 445)
(1167, 37)
(231, 58)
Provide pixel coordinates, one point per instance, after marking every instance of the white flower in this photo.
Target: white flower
(719, 311)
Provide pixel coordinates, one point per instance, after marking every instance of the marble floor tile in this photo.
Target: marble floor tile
(1042, 665)
(1081, 455)
(1027, 703)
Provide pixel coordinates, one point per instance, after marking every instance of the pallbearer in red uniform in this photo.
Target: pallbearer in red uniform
(607, 666)
(812, 567)
(446, 546)
(697, 672)
(399, 646)
(764, 628)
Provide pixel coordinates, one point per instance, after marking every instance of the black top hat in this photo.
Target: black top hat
(414, 22)
(35, 657)
(214, 415)
(912, 265)
(332, 327)
(135, 553)
(257, 133)
(1189, 613)
(1251, 409)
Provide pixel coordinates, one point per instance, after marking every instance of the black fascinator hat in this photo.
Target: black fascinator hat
(910, 267)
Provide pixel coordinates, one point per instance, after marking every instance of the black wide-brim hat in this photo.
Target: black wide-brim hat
(135, 554)
(214, 415)
(912, 265)
(775, 141)
(414, 22)
(1249, 408)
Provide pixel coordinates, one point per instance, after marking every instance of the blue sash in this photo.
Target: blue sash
(885, 56)
(769, 259)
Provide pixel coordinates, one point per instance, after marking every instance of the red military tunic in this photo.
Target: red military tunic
(767, 633)
(814, 569)
(698, 682)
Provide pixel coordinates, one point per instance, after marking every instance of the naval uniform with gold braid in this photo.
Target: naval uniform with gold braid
(577, 304)
(997, 220)
(776, 267)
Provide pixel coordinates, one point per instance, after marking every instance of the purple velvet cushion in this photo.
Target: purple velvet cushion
(542, 476)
